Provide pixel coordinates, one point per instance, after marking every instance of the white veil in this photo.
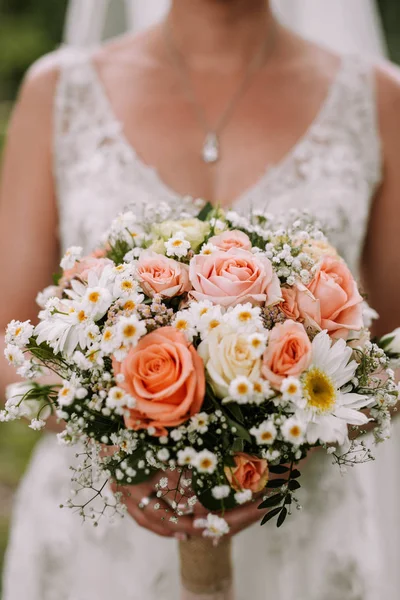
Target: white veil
(344, 25)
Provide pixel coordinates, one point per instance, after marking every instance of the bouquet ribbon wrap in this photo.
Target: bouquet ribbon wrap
(206, 569)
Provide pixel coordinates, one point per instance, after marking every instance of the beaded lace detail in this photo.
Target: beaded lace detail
(330, 549)
(333, 170)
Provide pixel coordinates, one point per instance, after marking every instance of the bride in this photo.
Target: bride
(225, 104)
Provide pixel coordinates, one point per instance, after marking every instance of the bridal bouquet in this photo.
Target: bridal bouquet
(222, 348)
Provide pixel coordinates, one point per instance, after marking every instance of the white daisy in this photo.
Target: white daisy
(110, 341)
(184, 322)
(97, 300)
(262, 391)
(329, 409)
(18, 333)
(14, 355)
(199, 422)
(118, 398)
(187, 456)
(244, 318)
(241, 390)
(131, 302)
(130, 330)
(209, 319)
(258, 344)
(70, 257)
(177, 245)
(213, 526)
(44, 296)
(205, 462)
(208, 249)
(293, 392)
(66, 395)
(265, 433)
(293, 430)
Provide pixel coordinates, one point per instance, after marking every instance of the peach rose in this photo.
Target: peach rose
(234, 277)
(288, 353)
(340, 301)
(300, 305)
(158, 274)
(165, 375)
(250, 473)
(94, 262)
(231, 239)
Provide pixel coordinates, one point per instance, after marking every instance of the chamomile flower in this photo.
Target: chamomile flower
(96, 301)
(18, 333)
(117, 399)
(81, 361)
(14, 355)
(44, 296)
(184, 322)
(257, 344)
(177, 245)
(329, 409)
(205, 462)
(199, 309)
(244, 318)
(70, 257)
(109, 340)
(292, 391)
(208, 249)
(130, 303)
(293, 430)
(130, 330)
(209, 320)
(124, 286)
(66, 395)
(241, 390)
(187, 456)
(262, 391)
(214, 526)
(265, 433)
(199, 422)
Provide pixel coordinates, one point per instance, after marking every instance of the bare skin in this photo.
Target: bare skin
(217, 38)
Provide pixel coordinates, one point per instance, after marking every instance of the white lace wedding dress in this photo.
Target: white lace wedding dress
(332, 549)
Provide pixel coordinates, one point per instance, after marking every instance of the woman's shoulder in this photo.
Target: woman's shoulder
(387, 77)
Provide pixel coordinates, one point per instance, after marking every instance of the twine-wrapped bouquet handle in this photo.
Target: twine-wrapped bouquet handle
(206, 569)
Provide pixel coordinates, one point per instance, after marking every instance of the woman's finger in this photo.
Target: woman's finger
(242, 517)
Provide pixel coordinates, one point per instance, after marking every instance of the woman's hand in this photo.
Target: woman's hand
(141, 500)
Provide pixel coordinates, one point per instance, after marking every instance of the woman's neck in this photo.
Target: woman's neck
(231, 30)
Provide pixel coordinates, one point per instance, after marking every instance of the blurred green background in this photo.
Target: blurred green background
(29, 29)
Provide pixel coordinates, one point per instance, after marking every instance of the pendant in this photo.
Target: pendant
(210, 152)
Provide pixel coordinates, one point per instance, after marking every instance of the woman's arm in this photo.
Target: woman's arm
(28, 216)
(381, 259)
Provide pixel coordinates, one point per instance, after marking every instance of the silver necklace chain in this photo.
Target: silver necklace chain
(211, 147)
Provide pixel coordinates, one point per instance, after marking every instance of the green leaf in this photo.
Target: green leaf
(293, 485)
(276, 483)
(236, 412)
(207, 499)
(237, 446)
(295, 474)
(271, 501)
(288, 500)
(205, 211)
(56, 277)
(271, 515)
(278, 469)
(282, 517)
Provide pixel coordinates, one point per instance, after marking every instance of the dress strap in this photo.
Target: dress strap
(354, 111)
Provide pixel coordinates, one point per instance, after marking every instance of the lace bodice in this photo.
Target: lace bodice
(333, 170)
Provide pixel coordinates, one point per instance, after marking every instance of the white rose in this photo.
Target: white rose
(29, 409)
(226, 356)
(195, 231)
